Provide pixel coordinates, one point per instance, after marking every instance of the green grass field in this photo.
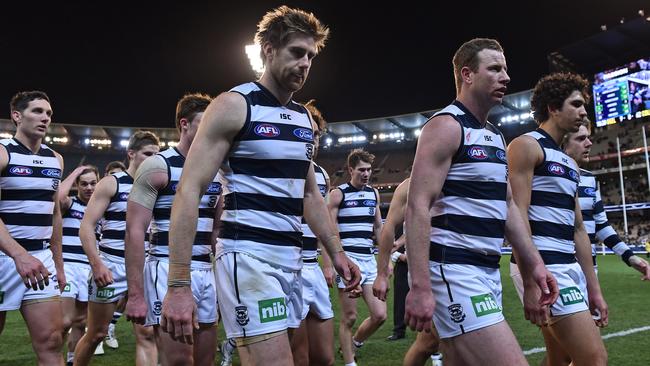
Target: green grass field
(627, 296)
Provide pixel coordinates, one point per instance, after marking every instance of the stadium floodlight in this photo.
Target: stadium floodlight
(328, 141)
(417, 132)
(6, 135)
(253, 53)
(60, 140)
(48, 139)
(172, 143)
(124, 143)
(86, 141)
(524, 115)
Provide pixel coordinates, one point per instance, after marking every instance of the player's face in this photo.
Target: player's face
(360, 174)
(193, 126)
(579, 145)
(572, 113)
(86, 185)
(35, 119)
(114, 170)
(290, 64)
(491, 77)
(140, 155)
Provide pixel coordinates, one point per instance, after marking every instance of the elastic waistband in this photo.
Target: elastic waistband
(450, 255)
(310, 260)
(199, 258)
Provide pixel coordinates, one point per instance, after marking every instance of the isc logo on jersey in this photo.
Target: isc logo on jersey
(21, 170)
(304, 134)
(267, 130)
(52, 173)
(556, 169)
(477, 153)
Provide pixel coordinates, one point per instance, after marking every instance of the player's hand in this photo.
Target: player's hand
(32, 271)
(348, 271)
(136, 308)
(546, 283)
(419, 309)
(535, 312)
(176, 319)
(642, 266)
(598, 307)
(381, 287)
(102, 275)
(330, 275)
(60, 278)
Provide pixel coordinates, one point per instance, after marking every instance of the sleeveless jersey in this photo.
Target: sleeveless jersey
(356, 218)
(201, 247)
(470, 213)
(264, 180)
(309, 241)
(27, 186)
(552, 202)
(114, 225)
(72, 249)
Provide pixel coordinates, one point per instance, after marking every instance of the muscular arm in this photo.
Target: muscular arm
(57, 236)
(394, 218)
(150, 178)
(97, 205)
(436, 147)
(377, 224)
(66, 185)
(222, 120)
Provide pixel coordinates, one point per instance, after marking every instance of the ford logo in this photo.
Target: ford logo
(52, 173)
(214, 188)
(574, 175)
(590, 192)
(501, 155)
(370, 203)
(304, 134)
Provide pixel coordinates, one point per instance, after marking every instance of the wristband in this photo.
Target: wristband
(395, 256)
(626, 257)
(179, 275)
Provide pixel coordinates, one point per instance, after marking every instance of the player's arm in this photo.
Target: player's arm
(435, 151)
(376, 227)
(607, 234)
(386, 240)
(99, 201)
(66, 185)
(326, 261)
(31, 270)
(56, 241)
(596, 301)
(216, 222)
(221, 121)
(150, 178)
(314, 212)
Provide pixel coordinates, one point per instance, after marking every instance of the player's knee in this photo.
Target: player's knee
(97, 336)
(326, 359)
(48, 342)
(145, 335)
(379, 317)
(180, 357)
(349, 318)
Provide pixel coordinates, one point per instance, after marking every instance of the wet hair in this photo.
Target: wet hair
(189, 106)
(467, 55)
(89, 169)
(141, 139)
(279, 24)
(358, 155)
(552, 90)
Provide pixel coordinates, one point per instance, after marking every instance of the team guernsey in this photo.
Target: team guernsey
(356, 219)
(28, 184)
(264, 180)
(468, 227)
(595, 218)
(309, 241)
(114, 225)
(201, 247)
(72, 249)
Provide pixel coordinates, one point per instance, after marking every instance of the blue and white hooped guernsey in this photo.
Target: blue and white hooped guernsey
(552, 202)
(72, 248)
(468, 217)
(114, 225)
(309, 241)
(356, 219)
(201, 248)
(595, 218)
(264, 180)
(27, 186)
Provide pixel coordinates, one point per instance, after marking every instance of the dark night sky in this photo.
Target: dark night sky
(124, 64)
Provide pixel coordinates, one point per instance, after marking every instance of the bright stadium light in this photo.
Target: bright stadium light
(253, 53)
(124, 143)
(48, 139)
(6, 135)
(172, 143)
(417, 132)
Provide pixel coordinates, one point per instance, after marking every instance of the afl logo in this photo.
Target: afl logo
(124, 196)
(77, 214)
(590, 192)
(477, 153)
(574, 175)
(556, 169)
(351, 204)
(214, 188)
(501, 155)
(52, 173)
(267, 130)
(304, 134)
(21, 170)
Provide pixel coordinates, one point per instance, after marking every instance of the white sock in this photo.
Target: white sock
(70, 357)
(351, 364)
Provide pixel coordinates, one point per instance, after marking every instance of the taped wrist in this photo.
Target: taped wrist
(179, 275)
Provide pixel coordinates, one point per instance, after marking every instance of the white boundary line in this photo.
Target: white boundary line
(622, 333)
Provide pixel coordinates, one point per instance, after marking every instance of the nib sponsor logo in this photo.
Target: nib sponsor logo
(571, 295)
(484, 304)
(272, 310)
